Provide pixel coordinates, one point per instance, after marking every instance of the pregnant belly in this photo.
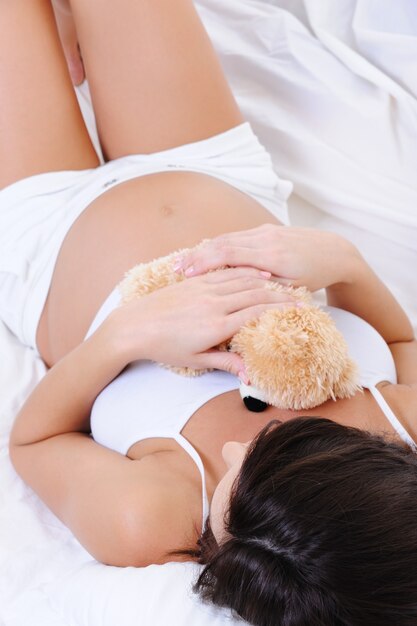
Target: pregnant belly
(132, 223)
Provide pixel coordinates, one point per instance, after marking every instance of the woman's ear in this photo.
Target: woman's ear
(234, 452)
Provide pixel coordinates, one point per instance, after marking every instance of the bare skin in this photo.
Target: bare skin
(69, 40)
(137, 221)
(156, 83)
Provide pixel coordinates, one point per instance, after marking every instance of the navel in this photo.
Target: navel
(167, 210)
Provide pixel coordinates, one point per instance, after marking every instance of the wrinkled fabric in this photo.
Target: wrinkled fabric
(330, 88)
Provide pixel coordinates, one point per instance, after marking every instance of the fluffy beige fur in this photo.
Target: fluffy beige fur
(295, 356)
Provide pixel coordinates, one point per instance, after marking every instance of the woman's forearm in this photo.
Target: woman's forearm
(62, 401)
(366, 295)
(178, 324)
(310, 258)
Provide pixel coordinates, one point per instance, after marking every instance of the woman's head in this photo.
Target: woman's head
(321, 529)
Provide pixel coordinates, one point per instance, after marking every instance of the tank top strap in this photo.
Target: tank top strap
(184, 443)
(392, 418)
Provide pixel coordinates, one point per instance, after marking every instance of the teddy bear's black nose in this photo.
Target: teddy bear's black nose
(254, 405)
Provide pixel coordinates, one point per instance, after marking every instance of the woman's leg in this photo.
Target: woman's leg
(41, 127)
(154, 76)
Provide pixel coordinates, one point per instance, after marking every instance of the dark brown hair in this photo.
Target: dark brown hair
(321, 531)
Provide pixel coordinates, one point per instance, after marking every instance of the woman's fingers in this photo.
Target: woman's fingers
(69, 40)
(75, 66)
(246, 237)
(237, 279)
(210, 258)
(222, 360)
(253, 297)
(186, 319)
(235, 321)
(232, 249)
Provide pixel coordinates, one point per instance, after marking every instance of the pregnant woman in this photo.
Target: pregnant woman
(312, 522)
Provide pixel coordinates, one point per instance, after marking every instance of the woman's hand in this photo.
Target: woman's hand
(296, 256)
(180, 324)
(69, 40)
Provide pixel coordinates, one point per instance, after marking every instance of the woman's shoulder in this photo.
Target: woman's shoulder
(402, 400)
(164, 515)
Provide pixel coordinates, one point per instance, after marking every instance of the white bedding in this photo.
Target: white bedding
(331, 89)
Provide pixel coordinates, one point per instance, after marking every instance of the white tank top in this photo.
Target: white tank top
(147, 400)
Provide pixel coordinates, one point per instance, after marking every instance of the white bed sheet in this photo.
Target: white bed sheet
(331, 90)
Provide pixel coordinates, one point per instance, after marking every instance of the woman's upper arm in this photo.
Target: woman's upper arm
(110, 503)
(405, 357)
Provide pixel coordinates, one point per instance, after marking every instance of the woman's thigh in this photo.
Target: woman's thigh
(132, 223)
(155, 79)
(41, 127)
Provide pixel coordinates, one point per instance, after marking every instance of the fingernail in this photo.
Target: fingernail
(244, 377)
(266, 274)
(177, 265)
(189, 271)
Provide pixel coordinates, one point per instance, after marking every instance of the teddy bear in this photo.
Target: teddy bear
(295, 357)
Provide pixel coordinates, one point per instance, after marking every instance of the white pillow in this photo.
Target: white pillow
(95, 594)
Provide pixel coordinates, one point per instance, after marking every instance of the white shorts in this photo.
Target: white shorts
(36, 213)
